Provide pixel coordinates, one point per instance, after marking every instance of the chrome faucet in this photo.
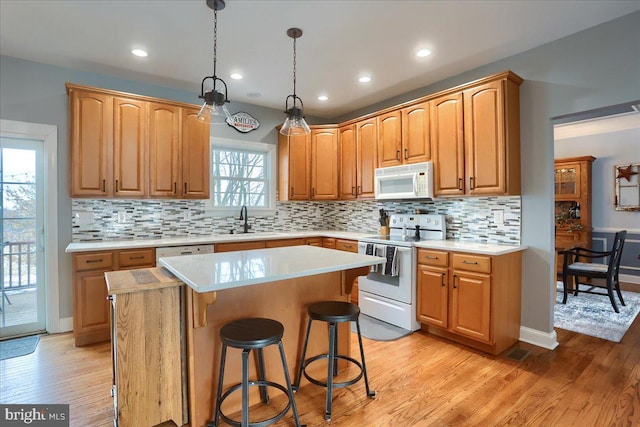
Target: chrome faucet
(244, 216)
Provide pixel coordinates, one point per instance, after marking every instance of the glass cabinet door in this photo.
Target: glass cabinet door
(567, 182)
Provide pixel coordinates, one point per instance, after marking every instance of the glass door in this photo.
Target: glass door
(22, 288)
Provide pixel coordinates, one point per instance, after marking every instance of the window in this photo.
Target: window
(242, 173)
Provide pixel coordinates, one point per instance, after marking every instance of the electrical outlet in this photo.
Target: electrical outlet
(498, 216)
(122, 217)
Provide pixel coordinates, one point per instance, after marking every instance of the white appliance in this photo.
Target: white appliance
(168, 251)
(414, 181)
(392, 299)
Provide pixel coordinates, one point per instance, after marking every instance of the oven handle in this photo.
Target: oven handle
(363, 245)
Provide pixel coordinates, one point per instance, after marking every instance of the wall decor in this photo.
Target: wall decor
(627, 196)
(243, 122)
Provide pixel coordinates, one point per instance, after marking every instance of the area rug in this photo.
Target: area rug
(378, 330)
(593, 314)
(18, 347)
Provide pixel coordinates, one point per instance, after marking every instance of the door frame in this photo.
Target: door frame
(48, 134)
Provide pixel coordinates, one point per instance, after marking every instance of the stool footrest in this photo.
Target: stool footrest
(260, 383)
(335, 385)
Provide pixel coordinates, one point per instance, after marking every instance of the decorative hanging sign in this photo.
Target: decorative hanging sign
(243, 122)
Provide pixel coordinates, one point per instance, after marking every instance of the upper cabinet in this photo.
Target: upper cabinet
(403, 136)
(294, 167)
(366, 157)
(348, 160)
(132, 146)
(390, 139)
(476, 139)
(324, 164)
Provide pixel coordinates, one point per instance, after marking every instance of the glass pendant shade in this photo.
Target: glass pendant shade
(295, 124)
(214, 108)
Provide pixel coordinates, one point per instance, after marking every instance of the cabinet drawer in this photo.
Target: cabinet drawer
(93, 261)
(478, 263)
(435, 258)
(136, 258)
(329, 242)
(347, 245)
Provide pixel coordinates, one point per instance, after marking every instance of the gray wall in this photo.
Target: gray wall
(594, 68)
(588, 70)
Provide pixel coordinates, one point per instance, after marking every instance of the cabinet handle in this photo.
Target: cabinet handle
(353, 191)
(397, 154)
(91, 261)
(431, 257)
(467, 262)
(359, 190)
(109, 297)
(443, 284)
(291, 191)
(471, 183)
(406, 153)
(185, 188)
(313, 192)
(104, 185)
(175, 187)
(136, 257)
(116, 185)
(454, 281)
(460, 184)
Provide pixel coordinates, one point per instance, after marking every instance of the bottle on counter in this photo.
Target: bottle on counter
(572, 211)
(577, 211)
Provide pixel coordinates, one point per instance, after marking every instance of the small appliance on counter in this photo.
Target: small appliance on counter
(392, 297)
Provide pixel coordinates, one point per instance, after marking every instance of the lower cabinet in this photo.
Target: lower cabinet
(473, 299)
(149, 361)
(90, 305)
(349, 246)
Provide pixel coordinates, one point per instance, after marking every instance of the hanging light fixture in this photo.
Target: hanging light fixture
(214, 106)
(294, 124)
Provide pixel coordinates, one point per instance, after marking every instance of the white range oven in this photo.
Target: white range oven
(389, 294)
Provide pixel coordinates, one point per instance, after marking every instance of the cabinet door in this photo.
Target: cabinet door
(347, 245)
(129, 147)
(90, 307)
(366, 138)
(299, 167)
(484, 137)
(566, 181)
(433, 296)
(416, 142)
(90, 134)
(164, 150)
(196, 156)
(471, 305)
(348, 160)
(389, 139)
(324, 164)
(448, 149)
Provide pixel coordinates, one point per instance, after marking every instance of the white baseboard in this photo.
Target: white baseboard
(65, 325)
(628, 278)
(548, 340)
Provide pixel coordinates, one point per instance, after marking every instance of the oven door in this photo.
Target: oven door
(398, 288)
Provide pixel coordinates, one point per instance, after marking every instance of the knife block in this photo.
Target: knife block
(384, 230)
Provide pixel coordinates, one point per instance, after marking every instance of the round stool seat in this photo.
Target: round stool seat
(252, 333)
(333, 311)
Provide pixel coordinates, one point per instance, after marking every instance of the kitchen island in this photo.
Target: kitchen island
(277, 283)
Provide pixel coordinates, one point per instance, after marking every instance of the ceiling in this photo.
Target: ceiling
(341, 40)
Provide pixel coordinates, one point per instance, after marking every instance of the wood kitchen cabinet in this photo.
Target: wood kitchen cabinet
(90, 305)
(476, 138)
(366, 157)
(348, 160)
(125, 145)
(349, 246)
(324, 164)
(294, 167)
(403, 136)
(469, 298)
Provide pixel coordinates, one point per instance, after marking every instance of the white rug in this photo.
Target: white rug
(593, 314)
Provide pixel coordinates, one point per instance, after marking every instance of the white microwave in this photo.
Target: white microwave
(413, 181)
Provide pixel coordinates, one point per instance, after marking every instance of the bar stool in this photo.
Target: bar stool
(333, 312)
(252, 334)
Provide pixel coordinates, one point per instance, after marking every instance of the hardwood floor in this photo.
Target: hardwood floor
(420, 380)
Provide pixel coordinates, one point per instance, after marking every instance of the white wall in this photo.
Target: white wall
(613, 147)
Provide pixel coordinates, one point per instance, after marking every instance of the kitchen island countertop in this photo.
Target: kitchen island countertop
(220, 271)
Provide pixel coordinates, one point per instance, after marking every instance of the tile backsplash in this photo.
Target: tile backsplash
(467, 218)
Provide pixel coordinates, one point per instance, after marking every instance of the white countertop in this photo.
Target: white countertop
(471, 247)
(106, 245)
(216, 272)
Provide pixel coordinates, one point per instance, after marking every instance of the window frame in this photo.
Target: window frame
(270, 172)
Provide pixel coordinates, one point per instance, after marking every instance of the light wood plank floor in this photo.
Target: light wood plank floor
(420, 380)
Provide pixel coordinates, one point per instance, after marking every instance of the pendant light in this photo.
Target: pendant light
(294, 124)
(214, 107)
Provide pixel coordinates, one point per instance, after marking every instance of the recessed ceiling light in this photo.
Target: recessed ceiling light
(254, 94)
(139, 52)
(323, 98)
(423, 52)
(364, 79)
(236, 76)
